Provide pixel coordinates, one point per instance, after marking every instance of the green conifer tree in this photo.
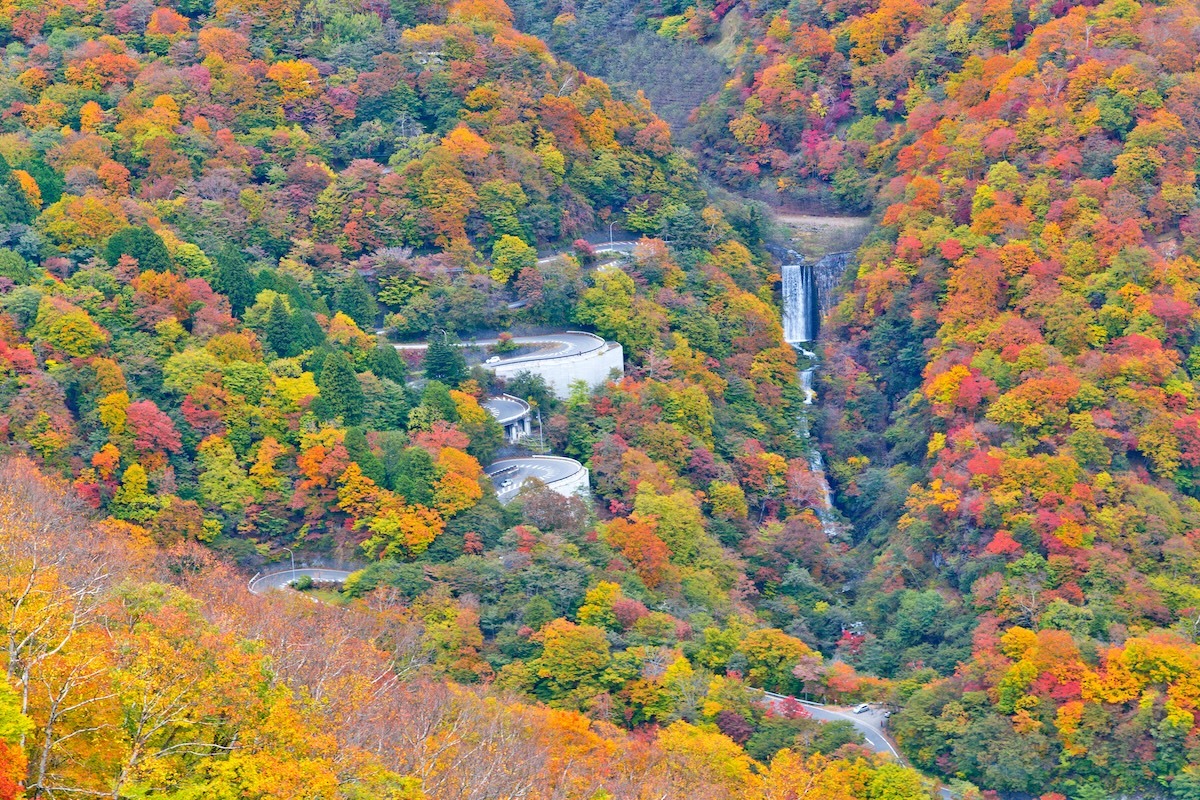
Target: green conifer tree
(385, 362)
(444, 360)
(308, 331)
(234, 279)
(341, 393)
(142, 243)
(353, 298)
(414, 476)
(360, 452)
(281, 330)
(391, 407)
(15, 208)
(49, 182)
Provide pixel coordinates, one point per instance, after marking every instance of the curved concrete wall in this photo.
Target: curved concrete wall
(566, 476)
(592, 367)
(577, 483)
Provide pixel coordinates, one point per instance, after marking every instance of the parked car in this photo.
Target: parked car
(493, 360)
(861, 708)
(507, 482)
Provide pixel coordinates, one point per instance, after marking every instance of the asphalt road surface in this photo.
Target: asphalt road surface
(605, 247)
(279, 580)
(868, 723)
(504, 409)
(508, 474)
(551, 345)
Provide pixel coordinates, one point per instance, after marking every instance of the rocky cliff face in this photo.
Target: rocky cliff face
(829, 271)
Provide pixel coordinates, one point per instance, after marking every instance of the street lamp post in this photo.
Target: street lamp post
(610, 233)
(293, 557)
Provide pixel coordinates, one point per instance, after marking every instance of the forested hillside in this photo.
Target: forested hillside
(1008, 395)
(1011, 396)
(208, 213)
(128, 686)
(202, 241)
(619, 41)
(781, 101)
(216, 220)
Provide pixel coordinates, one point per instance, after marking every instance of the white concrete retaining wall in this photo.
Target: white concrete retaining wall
(578, 483)
(592, 367)
(565, 476)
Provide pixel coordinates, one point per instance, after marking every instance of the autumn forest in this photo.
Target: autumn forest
(275, 273)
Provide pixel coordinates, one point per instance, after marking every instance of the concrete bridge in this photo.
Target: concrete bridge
(512, 413)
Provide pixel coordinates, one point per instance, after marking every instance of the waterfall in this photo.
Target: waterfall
(801, 303)
(809, 292)
(806, 379)
(825, 512)
(815, 462)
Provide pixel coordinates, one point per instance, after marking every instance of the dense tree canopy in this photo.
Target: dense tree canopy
(217, 219)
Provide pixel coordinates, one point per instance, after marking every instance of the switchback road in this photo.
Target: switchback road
(868, 723)
(260, 584)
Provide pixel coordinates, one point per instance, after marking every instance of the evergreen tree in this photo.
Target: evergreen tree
(414, 476)
(315, 361)
(444, 360)
(49, 182)
(385, 362)
(309, 332)
(142, 243)
(360, 452)
(354, 299)
(281, 330)
(234, 279)
(392, 408)
(265, 279)
(341, 393)
(15, 208)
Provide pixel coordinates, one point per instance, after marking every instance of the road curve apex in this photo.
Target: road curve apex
(280, 579)
(503, 463)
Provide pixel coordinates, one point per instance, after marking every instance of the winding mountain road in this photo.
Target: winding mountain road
(509, 474)
(868, 723)
(506, 408)
(624, 248)
(550, 345)
(260, 584)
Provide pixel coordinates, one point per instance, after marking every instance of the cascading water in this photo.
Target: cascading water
(808, 292)
(815, 462)
(801, 304)
(810, 394)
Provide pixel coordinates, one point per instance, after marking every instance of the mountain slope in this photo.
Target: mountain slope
(1011, 406)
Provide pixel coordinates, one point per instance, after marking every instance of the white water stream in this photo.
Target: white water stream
(815, 462)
